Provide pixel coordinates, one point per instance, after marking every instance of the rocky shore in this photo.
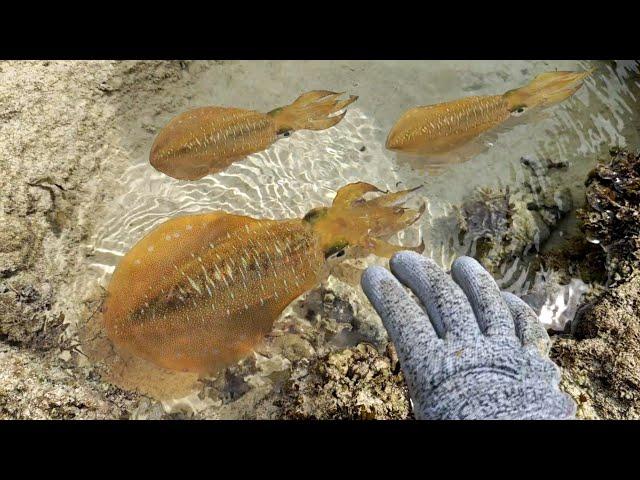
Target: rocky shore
(68, 130)
(600, 354)
(62, 126)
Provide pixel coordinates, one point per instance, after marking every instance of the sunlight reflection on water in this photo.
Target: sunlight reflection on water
(305, 169)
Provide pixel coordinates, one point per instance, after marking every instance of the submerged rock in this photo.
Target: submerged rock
(499, 226)
(328, 356)
(554, 301)
(577, 258)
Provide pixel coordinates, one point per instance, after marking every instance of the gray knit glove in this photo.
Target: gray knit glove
(475, 353)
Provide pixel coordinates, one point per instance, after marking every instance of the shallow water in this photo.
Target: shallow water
(305, 169)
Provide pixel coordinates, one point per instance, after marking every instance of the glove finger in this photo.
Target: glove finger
(491, 311)
(403, 318)
(446, 305)
(410, 330)
(528, 328)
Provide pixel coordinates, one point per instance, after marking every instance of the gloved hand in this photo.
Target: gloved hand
(475, 353)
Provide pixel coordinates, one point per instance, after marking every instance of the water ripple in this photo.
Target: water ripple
(305, 170)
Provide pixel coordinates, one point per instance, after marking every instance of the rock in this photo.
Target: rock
(16, 244)
(555, 302)
(611, 217)
(31, 389)
(577, 258)
(501, 226)
(365, 324)
(600, 354)
(355, 383)
(61, 158)
(601, 359)
(293, 346)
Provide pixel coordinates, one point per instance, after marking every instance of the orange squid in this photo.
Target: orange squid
(207, 140)
(201, 291)
(435, 131)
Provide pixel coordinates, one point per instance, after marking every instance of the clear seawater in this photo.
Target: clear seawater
(305, 170)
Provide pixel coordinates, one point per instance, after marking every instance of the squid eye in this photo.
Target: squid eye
(519, 110)
(338, 254)
(336, 251)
